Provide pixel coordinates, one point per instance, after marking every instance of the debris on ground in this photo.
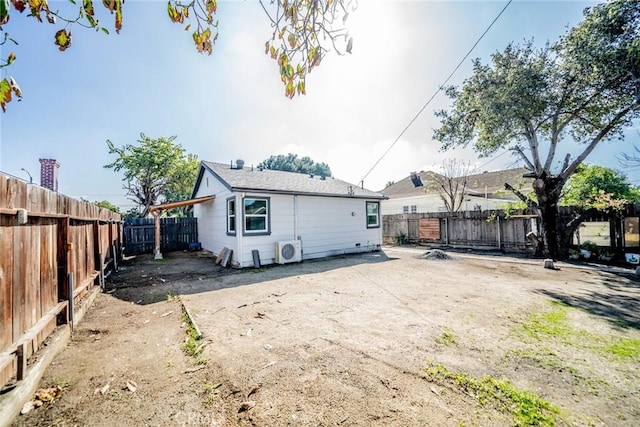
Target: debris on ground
(434, 254)
(245, 406)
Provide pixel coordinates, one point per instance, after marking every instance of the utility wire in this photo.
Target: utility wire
(435, 93)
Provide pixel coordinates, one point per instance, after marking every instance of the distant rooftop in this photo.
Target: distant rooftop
(477, 184)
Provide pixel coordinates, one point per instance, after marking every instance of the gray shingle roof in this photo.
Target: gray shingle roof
(477, 184)
(272, 181)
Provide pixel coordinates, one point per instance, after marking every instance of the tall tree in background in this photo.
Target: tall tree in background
(155, 171)
(304, 31)
(451, 183)
(293, 163)
(585, 88)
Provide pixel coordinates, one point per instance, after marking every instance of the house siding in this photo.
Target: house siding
(212, 217)
(324, 225)
(329, 226)
(428, 203)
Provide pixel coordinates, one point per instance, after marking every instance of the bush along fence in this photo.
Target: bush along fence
(495, 230)
(54, 250)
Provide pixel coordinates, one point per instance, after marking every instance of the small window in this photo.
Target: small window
(231, 216)
(256, 216)
(405, 209)
(414, 209)
(373, 214)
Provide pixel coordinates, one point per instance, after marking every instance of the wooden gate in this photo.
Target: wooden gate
(175, 234)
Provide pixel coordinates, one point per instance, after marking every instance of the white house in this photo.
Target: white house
(284, 216)
(485, 191)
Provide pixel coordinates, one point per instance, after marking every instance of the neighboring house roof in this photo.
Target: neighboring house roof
(480, 184)
(280, 182)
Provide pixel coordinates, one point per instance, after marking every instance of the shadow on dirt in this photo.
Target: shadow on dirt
(618, 301)
(143, 280)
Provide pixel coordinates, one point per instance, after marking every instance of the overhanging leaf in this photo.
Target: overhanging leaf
(5, 93)
(63, 39)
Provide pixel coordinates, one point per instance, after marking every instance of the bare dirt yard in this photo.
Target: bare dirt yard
(386, 338)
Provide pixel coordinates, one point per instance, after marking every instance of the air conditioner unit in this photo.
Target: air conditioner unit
(288, 251)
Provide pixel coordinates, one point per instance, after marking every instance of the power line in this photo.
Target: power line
(436, 92)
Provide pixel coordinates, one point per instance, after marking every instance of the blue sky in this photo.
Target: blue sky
(231, 105)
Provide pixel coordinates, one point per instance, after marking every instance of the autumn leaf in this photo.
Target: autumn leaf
(63, 39)
(19, 5)
(212, 6)
(4, 11)
(109, 4)
(5, 94)
(118, 16)
(87, 5)
(15, 87)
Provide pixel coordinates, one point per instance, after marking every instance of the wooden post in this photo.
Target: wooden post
(115, 257)
(158, 254)
(22, 361)
(499, 237)
(102, 283)
(70, 306)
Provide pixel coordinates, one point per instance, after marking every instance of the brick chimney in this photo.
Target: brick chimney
(49, 173)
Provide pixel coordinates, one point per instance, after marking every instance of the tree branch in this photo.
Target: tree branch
(565, 174)
(530, 203)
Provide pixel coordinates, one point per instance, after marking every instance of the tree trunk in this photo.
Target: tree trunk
(557, 238)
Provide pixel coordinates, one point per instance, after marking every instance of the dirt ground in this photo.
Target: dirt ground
(385, 338)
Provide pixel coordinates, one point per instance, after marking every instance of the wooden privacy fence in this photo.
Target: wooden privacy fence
(492, 230)
(175, 234)
(477, 229)
(53, 249)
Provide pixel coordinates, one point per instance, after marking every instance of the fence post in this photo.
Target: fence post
(70, 281)
(499, 236)
(102, 284)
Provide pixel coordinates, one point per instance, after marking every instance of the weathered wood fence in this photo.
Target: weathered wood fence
(53, 250)
(175, 234)
(486, 229)
(491, 229)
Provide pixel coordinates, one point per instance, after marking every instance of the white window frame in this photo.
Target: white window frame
(231, 218)
(266, 216)
(367, 215)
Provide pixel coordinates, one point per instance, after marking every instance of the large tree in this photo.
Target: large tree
(156, 170)
(582, 90)
(303, 31)
(293, 163)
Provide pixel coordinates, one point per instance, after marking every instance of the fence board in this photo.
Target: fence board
(38, 256)
(429, 228)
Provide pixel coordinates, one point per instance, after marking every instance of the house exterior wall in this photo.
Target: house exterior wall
(324, 225)
(425, 203)
(333, 226)
(212, 217)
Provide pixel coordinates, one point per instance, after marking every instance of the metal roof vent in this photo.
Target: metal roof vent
(239, 164)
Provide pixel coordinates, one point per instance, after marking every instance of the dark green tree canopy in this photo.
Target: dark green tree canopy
(583, 90)
(156, 170)
(293, 163)
(590, 182)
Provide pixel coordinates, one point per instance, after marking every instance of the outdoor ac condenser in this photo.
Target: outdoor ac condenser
(288, 251)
